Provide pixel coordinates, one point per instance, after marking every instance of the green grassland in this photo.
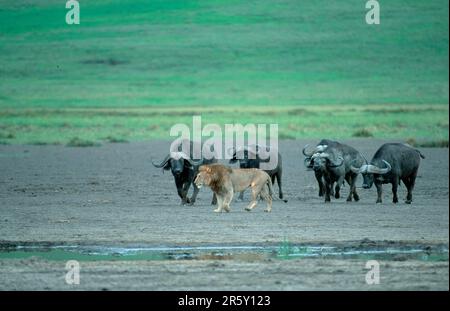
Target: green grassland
(132, 69)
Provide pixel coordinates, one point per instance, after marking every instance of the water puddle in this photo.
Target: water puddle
(284, 251)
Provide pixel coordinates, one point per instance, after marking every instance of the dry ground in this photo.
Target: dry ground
(113, 195)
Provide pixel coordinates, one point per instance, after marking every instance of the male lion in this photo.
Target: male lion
(224, 181)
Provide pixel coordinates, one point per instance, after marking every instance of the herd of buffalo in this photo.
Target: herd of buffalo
(333, 164)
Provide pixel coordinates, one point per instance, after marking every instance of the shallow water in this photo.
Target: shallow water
(285, 251)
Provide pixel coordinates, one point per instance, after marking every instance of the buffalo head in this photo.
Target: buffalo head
(324, 160)
(310, 153)
(177, 162)
(369, 170)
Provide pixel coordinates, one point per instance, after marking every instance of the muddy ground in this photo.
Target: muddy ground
(112, 195)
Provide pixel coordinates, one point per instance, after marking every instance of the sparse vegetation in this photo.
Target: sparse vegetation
(43, 143)
(362, 133)
(38, 143)
(78, 142)
(428, 144)
(109, 61)
(285, 136)
(6, 135)
(113, 139)
(118, 124)
(434, 144)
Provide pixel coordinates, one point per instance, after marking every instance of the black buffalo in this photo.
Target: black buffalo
(330, 166)
(324, 143)
(324, 159)
(184, 170)
(392, 163)
(249, 157)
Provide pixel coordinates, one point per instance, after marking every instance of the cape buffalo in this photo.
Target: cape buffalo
(335, 149)
(392, 163)
(330, 166)
(324, 143)
(184, 170)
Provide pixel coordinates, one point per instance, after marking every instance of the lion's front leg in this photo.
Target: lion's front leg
(227, 200)
(219, 203)
(251, 205)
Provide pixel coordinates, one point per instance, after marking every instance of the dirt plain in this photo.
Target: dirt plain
(112, 195)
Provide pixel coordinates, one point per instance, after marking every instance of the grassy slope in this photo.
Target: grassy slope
(283, 55)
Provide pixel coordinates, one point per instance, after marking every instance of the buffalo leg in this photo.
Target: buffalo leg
(241, 196)
(185, 190)
(181, 191)
(410, 187)
(327, 186)
(320, 182)
(194, 195)
(412, 183)
(337, 191)
(379, 192)
(214, 199)
(355, 194)
(227, 200)
(339, 183)
(406, 182)
(351, 180)
(281, 195)
(394, 190)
